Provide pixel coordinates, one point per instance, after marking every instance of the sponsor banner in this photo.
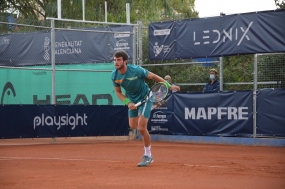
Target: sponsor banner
(270, 112)
(210, 114)
(121, 41)
(161, 121)
(248, 33)
(32, 121)
(20, 49)
(162, 40)
(18, 86)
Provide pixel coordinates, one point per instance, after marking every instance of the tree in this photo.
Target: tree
(280, 4)
(28, 9)
(145, 10)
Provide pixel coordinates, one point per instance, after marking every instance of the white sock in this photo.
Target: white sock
(147, 151)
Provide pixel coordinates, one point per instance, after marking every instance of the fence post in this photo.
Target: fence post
(134, 45)
(59, 9)
(53, 61)
(254, 95)
(128, 13)
(140, 54)
(106, 13)
(83, 10)
(221, 74)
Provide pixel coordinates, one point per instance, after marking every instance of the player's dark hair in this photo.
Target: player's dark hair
(121, 54)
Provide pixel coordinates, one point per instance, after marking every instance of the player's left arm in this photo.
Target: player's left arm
(160, 79)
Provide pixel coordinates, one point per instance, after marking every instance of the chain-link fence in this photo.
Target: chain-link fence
(63, 76)
(237, 72)
(190, 76)
(78, 71)
(271, 69)
(30, 81)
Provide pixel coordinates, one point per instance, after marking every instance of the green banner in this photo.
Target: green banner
(77, 85)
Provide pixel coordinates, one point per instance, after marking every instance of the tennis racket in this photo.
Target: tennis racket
(156, 94)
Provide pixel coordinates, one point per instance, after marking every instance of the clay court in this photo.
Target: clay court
(112, 164)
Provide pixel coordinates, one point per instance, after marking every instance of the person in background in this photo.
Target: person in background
(168, 79)
(213, 84)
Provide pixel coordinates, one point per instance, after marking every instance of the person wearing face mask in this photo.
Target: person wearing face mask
(213, 84)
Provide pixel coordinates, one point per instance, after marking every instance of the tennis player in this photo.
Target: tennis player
(132, 79)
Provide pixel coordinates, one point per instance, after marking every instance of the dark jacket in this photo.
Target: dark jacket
(212, 87)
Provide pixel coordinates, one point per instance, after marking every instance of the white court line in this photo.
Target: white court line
(61, 159)
(212, 166)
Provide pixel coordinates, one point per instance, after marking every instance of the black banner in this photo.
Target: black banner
(32, 121)
(248, 33)
(270, 112)
(195, 114)
(205, 114)
(20, 49)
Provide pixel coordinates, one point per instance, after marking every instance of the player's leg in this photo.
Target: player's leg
(133, 118)
(133, 121)
(144, 112)
(138, 121)
(144, 115)
(142, 127)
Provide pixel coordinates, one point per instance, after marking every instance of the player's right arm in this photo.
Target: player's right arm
(121, 96)
(119, 93)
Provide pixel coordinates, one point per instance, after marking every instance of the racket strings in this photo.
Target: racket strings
(159, 92)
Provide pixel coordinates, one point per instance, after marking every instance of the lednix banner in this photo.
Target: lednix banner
(21, 49)
(248, 33)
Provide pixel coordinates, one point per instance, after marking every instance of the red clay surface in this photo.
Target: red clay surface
(112, 165)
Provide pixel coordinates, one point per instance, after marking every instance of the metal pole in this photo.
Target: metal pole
(59, 9)
(93, 22)
(53, 61)
(221, 74)
(140, 55)
(134, 45)
(106, 14)
(83, 9)
(254, 95)
(128, 13)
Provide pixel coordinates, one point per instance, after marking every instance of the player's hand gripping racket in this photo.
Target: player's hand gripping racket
(156, 94)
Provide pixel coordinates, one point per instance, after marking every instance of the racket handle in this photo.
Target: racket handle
(138, 104)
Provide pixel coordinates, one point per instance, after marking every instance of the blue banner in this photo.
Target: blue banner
(21, 49)
(248, 33)
(205, 114)
(270, 112)
(196, 114)
(32, 121)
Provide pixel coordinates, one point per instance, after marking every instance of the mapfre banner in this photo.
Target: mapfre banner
(270, 112)
(248, 33)
(205, 114)
(22, 49)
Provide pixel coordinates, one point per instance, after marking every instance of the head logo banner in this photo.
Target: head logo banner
(248, 33)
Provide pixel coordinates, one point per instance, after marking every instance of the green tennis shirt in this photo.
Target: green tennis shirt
(133, 81)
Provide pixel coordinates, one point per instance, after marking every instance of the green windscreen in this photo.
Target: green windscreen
(75, 84)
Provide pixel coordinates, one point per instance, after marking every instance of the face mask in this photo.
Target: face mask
(212, 76)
